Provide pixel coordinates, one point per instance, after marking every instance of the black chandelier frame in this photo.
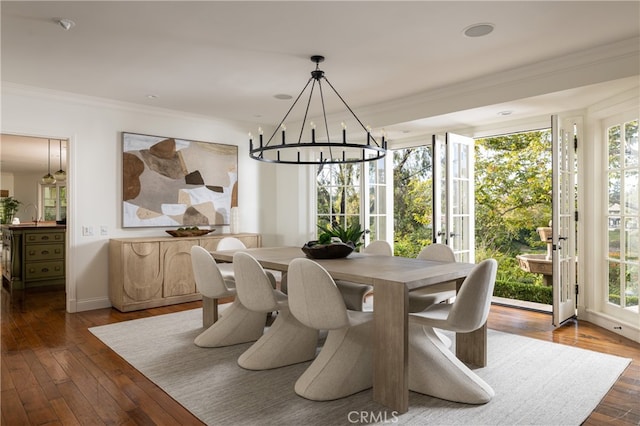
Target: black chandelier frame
(372, 150)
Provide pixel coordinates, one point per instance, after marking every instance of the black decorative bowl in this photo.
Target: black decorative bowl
(327, 251)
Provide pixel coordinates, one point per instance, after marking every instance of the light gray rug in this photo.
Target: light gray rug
(536, 382)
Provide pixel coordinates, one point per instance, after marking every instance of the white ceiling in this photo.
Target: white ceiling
(228, 59)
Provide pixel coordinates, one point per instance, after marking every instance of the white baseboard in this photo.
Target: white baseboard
(628, 330)
(89, 304)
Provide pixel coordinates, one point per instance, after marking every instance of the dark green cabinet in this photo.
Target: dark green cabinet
(33, 256)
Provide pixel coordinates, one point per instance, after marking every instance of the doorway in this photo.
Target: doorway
(34, 175)
(512, 186)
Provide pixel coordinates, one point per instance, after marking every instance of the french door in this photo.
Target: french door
(565, 137)
(453, 194)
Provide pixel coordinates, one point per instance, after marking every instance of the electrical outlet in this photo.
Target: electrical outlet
(104, 230)
(87, 231)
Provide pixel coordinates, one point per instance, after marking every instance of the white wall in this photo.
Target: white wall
(93, 128)
(25, 189)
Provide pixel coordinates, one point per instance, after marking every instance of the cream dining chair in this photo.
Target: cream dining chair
(236, 324)
(433, 369)
(354, 294)
(287, 341)
(344, 364)
(233, 243)
(422, 298)
(229, 243)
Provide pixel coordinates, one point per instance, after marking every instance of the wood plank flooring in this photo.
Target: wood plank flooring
(54, 371)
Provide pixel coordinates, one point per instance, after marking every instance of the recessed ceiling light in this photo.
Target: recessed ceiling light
(282, 96)
(506, 112)
(151, 96)
(67, 24)
(478, 30)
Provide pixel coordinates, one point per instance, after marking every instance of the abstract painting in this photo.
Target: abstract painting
(177, 182)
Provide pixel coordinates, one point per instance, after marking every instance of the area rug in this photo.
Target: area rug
(536, 382)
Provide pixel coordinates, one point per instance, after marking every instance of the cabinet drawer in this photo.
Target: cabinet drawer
(44, 251)
(44, 270)
(44, 237)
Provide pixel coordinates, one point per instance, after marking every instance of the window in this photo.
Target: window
(623, 216)
(356, 193)
(53, 202)
(338, 192)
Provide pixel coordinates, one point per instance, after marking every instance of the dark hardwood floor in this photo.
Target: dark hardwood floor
(54, 371)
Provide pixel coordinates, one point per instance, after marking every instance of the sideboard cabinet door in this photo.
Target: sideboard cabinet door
(178, 271)
(142, 272)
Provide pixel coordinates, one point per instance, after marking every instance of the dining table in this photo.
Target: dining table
(392, 277)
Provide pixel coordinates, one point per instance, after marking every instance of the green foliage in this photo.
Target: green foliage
(520, 291)
(629, 300)
(9, 208)
(353, 233)
(412, 181)
(513, 190)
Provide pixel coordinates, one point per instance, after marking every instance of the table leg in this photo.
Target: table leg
(390, 351)
(471, 348)
(209, 311)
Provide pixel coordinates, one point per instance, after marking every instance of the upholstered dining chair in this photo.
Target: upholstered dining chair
(229, 243)
(236, 324)
(354, 293)
(233, 243)
(287, 341)
(433, 369)
(344, 364)
(421, 298)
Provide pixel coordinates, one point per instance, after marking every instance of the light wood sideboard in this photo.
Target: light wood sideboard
(150, 272)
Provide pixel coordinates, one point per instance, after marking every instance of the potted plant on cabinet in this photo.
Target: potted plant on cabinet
(9, 208)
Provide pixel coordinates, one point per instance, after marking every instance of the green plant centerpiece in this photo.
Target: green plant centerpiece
(9, 208)
(334, 242)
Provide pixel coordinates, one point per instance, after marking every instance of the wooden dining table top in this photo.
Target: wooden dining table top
(362, 268)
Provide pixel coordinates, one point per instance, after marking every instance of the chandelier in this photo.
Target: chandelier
(320, 148)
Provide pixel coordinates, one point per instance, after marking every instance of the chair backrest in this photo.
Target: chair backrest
(209, 280)
(437, 252)
(470, 310)
(314, 298)
(380, 247)
(252, 284)
(230, 243)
